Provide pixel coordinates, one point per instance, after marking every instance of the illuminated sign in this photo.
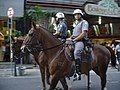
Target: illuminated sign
(104, 8)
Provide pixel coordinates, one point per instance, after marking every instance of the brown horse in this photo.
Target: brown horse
(39, 58)
(58, 63)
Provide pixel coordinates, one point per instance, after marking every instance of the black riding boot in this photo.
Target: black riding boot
(72, 55)
(78, 68)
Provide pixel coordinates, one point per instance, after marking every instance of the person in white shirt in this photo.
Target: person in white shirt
(80, 32)
(117, 51)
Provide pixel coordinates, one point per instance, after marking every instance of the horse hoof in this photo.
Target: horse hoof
(105, 88)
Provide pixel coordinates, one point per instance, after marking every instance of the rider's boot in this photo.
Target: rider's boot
(72, 55)
(78, 68)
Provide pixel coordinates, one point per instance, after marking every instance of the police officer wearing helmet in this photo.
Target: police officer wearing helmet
(61, 31)
(79, 32)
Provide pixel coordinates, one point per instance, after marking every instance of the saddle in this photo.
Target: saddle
(86, 56)
(86, 53)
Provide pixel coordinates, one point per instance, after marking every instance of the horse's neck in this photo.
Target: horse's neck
(52, 45)
(48, 42)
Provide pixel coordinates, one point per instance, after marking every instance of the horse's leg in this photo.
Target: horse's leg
(64, 83)
(42, 70)
(103, 81)
(102, 73)
(54, 80)
(47, 75)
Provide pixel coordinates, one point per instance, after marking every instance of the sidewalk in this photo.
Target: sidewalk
(7, 71)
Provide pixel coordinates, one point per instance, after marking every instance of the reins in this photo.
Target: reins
(52, 47)
(49, 48)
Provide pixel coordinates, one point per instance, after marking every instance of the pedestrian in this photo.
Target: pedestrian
(117, 51)
(61, 32)
(80, 32)
(6, 57)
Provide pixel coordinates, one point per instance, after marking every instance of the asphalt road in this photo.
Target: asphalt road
(32, 81)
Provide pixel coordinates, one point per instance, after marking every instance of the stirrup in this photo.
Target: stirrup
(77, 77)
(79, 74)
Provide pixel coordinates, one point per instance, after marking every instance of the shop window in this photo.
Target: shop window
(101, 30)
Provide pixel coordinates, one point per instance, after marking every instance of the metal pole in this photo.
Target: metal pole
(88, 88)
(11, 52)
(15, 71)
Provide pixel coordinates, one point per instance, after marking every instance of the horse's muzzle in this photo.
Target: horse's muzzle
(25, 49)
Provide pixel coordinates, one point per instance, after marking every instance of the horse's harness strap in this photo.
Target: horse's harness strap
(59, 52)
(52, 47)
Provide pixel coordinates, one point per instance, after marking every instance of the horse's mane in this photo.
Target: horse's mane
(48, 34)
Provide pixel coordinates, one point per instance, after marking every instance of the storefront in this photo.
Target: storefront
(18, 7)
(104, 19)
(4, 32)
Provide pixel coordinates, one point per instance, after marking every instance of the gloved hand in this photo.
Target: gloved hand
(68, 39)
(74, 41)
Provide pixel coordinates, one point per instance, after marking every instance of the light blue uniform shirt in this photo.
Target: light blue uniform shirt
(80, 27)
(79, 46)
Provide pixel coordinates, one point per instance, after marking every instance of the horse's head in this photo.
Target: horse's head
(31, 42)
(38, 38)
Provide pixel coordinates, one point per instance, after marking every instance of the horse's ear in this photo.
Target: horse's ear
(34, 25)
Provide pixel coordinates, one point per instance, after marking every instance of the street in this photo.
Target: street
(55, 34)
(32, 81)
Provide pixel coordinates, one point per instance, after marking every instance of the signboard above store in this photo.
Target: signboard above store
(10, 12)
(107, 8)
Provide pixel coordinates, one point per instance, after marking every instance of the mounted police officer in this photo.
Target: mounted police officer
(79, 33)
(61, 31)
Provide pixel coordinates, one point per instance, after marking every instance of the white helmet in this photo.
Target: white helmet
(78, 11)
(60, 15)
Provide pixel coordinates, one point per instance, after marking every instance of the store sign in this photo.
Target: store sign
(10, 12)
(104, 8)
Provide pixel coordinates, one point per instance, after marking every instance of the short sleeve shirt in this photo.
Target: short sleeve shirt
(62, 28)
(80, 27)
(118, 48)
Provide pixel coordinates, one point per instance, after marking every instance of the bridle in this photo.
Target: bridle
(38, 47)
